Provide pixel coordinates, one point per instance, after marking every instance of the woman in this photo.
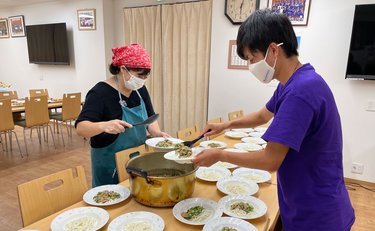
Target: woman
(112, 106)
(304, 138)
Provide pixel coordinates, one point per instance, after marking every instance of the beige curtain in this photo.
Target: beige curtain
(179, 81)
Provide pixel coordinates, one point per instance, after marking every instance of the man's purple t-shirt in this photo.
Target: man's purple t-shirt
(311, 190)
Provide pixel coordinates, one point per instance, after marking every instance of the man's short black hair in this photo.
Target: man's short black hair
(264, 27)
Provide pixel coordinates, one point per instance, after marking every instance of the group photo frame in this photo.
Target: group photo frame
(86, 19)
(296, 10)
(4, 29)
(17, 26)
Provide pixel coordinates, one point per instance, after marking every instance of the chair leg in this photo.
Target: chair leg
(10, 141)
(62, 134)
(19, 148)
(53, 138)
(24, 139)
(2, 142)
(6, 141)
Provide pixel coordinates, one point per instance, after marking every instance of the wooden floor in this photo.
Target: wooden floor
(45, 159)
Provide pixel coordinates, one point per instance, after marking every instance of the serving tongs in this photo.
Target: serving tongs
(192, 142)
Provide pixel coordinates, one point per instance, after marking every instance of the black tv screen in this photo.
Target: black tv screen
(48, 44)
(361, 58)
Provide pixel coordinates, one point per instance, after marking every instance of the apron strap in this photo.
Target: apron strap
(121, 102)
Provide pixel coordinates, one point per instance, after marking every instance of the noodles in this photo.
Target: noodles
(81, 224)
(214, 145)
(106, 196)
(197, 214)
(138, 226)
(241, 208)
(165, 144)
(211, 175)
(252, 177)
(236, 188)
(226, 228)
(183, 151)
(224, 164)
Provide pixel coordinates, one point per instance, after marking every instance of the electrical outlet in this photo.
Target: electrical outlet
(357, 168)
(370, 105)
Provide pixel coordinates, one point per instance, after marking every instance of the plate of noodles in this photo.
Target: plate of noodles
(163, 143)
(242, 206)
(196, 211)
(234, 185)
(139, 220)
(212, 174)
(183, 155)
(82, 218)
(228, 224)
(227, 164)
(106, 195)
(256, 175)
(212, 144)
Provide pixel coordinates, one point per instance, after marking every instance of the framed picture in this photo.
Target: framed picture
(86, 19)
(4, 30)
(296, 10)
(234, 61)
(17, 26)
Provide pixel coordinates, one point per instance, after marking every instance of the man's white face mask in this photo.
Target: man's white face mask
(262, 71)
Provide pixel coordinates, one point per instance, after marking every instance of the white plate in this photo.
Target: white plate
(187, 160)
(261, 129)
(212, 173)
(153, 141)
(249, 147)
(226, 164)
(150, 220)
(231, 222)
(236, 135)
(256, 134)
(124, 192)
(244, 187)
(98, 215)
(254, 140)
(247, 130)
(256, 175)
(206, 144)
(210, 206)
(260, 208)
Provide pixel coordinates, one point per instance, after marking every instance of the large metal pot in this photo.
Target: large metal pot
(158, 182)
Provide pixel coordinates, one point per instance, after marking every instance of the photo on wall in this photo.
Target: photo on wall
(86, 19)
(4, 30)
(296, 10)
(17, 26)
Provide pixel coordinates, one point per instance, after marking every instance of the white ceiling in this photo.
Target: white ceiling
(14, 3)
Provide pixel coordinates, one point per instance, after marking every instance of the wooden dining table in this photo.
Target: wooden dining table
(52, 104)
(203, 189)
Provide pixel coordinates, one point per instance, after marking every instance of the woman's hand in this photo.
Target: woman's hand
(208, 157)
(164, 134)
(114, 126)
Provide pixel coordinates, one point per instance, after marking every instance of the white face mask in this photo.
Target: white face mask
(262, 71)
(134, 82)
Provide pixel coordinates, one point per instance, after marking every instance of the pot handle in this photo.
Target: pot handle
(139, 172)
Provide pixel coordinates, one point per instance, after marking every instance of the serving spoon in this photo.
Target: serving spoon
(148, 120)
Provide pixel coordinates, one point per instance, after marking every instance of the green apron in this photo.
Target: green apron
(103, 159)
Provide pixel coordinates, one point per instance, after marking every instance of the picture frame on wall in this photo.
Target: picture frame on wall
(86, 19)
(296, 10)
(17, 26)
(234, 61)
(4, 29)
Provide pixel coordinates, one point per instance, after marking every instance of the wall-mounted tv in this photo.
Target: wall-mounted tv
(361, 58)
(48, 44)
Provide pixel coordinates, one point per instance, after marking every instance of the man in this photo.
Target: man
(304, 138)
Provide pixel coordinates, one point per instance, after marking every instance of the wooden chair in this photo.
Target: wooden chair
(44, 196)
(122, 158)
(71, 107)
(36, 115)
(38, 92)
(235, 115)
(7, 124)
(216, 120)
(188, 133)
(8, 95)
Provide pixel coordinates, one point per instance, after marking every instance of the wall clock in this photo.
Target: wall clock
(237, 11)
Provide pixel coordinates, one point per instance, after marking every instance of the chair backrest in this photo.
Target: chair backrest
(235, 114)
(36, 111)
(216, 120)
(71, 106)
(122, 158)
(8, 95)
(188, 133)
(38, 92)
(44, 196)
(6, 116)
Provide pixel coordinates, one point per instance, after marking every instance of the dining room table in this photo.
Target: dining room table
(203, 189)
(18, 105)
